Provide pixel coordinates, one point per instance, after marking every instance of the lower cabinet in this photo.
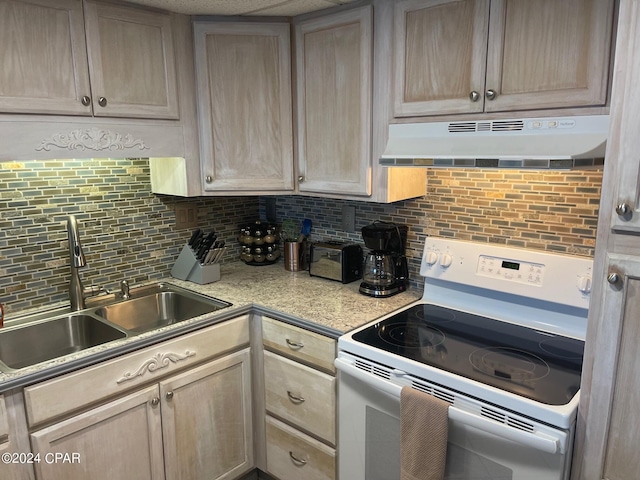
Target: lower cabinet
(14, 441)
(300, 402)
(194, 425)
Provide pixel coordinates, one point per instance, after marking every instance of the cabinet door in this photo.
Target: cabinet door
(440, 52)
(243, 74)
(333, 56)
(548, 54)
(615, 385)
(207, 420)
(121, 439)
(43, 63)
(131, 62)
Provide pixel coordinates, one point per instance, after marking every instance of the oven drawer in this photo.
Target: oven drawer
(300, 395)
(300, 344)
(291, 455)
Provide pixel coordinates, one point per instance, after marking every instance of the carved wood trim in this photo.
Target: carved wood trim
(157, 362)
(92, 139)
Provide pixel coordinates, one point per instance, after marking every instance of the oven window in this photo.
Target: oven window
(382, 454)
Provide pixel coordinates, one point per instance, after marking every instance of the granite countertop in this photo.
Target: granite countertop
(321, 305)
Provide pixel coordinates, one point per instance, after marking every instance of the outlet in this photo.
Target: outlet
(186, 216)
(349, 218)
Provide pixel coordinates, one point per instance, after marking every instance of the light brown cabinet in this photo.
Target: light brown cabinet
(607, 435)
(243, 73)
(194, 424)
(334, 82)
(14, 439)
(300, 402)
(469, 56)
(113, 61)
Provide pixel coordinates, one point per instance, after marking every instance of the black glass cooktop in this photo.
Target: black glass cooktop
(537, 365)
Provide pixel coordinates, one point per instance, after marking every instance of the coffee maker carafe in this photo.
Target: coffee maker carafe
(385, 271)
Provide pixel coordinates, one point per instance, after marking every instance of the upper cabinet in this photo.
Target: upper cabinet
(43, 56)
(243, 73)
(467, 56)
(334, 82)
(131, 62)
(112, 61)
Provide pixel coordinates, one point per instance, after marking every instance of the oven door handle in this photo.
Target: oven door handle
(539, 441)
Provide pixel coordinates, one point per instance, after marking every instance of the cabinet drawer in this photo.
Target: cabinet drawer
(90, 385)
(299, 343)
(291, 455)
(301, 395)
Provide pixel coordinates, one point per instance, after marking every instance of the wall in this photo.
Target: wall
(544, 210)
(126, 231)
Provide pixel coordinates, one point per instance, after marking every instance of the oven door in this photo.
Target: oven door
(478, 448)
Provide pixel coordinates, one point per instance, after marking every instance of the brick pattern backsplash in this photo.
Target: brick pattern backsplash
(126, 231)
(545, 210)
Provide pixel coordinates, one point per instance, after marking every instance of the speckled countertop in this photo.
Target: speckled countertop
(322, 305)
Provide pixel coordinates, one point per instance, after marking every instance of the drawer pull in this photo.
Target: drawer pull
(296, 460)
(155, 401)
(294, 398)
(294, 345)
(157, 362)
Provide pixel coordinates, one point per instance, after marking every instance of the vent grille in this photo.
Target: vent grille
(496, 126)
(506, 419)
(506, 126)
(452, 397)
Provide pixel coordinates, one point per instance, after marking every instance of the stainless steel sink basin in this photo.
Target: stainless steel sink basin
(157, 306)
(30, 344)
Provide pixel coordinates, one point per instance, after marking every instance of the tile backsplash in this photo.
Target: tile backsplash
(128, 232)
(545, 210)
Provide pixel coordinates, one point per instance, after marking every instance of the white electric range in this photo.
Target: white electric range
(499, 334)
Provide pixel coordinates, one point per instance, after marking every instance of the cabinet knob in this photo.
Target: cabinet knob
(296, 460)
(102, 101)
(85, 100)
(613, 278)
(623, 209)
(208, 179)
(155, 401)
(490, 94)
(169, 395)
(474, 96)
(300, 178)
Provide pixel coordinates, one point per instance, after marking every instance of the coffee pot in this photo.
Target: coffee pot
(385, 270)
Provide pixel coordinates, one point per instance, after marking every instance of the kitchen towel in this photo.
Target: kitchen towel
(424, 428)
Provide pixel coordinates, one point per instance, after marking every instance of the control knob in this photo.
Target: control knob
(584, 284)
(431, 258)
(445, 260)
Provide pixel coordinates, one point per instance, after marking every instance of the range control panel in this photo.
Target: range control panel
(511, 270)
(552, 277)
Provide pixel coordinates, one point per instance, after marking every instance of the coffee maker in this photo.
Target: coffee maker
(385, 270)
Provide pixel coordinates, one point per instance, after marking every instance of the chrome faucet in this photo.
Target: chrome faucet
(77, 261)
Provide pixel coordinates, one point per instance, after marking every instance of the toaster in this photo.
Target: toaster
(336, 261)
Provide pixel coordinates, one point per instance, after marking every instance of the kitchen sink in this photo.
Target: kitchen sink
(30, 344)
(157, 306)
(51, 334)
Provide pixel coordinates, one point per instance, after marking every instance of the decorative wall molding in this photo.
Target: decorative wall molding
(92, 139)
(157, 362)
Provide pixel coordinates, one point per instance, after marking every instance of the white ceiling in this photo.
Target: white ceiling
(287, 8)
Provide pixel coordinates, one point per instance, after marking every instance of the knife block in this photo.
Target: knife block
(187, 267)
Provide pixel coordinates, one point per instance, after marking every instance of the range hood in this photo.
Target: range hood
(542, 143)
